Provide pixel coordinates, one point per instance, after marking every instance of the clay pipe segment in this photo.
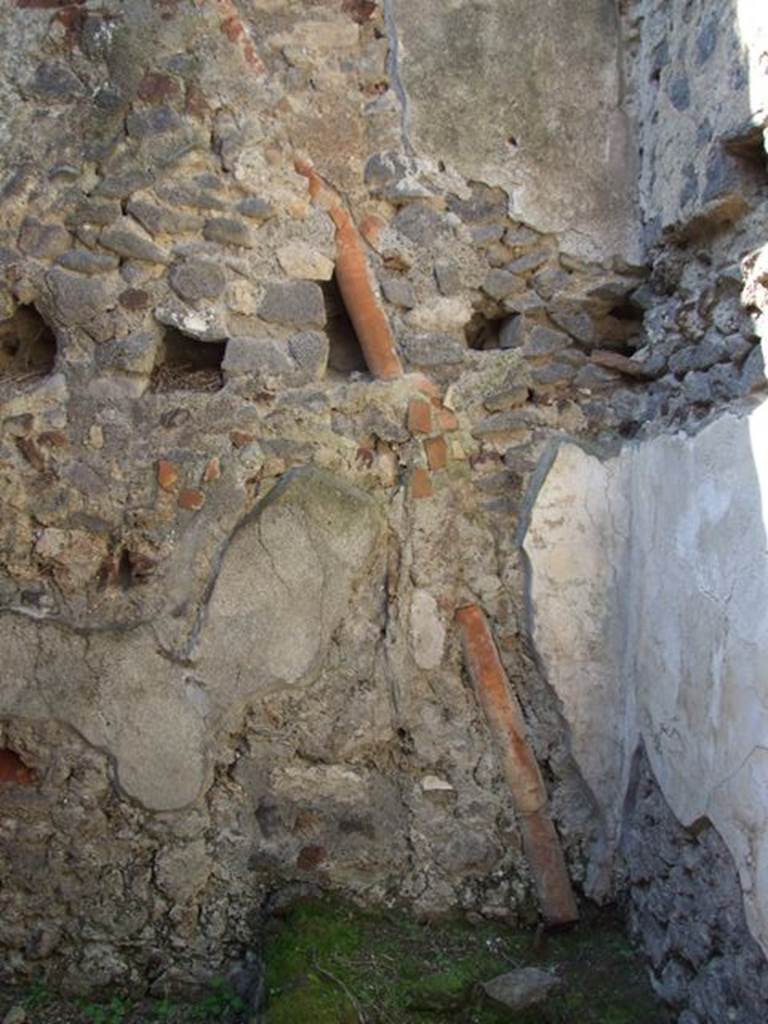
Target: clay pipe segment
(521, 771)
(354, 278)
(501, 710)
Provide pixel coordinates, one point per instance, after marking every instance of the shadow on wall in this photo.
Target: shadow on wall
(685, 904)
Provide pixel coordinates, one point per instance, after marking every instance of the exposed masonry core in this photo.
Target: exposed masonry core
(231, 558)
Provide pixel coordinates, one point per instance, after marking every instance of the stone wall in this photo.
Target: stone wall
(230, 559)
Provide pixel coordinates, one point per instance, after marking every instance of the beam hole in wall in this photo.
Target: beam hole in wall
(345, 355)
(125, 570)
(27, 347)
(622, 325)
(187, 364)
(483, 330)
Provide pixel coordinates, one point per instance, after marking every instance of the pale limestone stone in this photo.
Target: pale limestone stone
(95, 436)
(319, 36)
(434, 784)
(300, 260)
(427, 630)
(441, 314)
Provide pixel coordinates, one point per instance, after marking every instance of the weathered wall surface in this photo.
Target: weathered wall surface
(536, 112)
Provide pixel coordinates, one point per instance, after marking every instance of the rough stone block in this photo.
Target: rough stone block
(128, 240)
(56, 82)
(204, 322)
(447, 276)
(432, 350)
(95, 211)
(544, 341)
(309, 350)
(197, 279)
(134, 354)
(44, 241)
(77, 298)
(266, 359)
(501, 283)
(228, 231)
(300, 260)
(159, 220)
(399, 292)
(293, 303)
(83, 261)
(255, 208)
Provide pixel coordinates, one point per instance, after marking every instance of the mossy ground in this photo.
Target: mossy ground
(327, 963)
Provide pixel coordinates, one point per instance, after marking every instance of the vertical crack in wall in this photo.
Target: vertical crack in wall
(393, 70)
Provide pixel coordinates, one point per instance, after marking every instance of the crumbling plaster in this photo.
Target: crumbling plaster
(552, 131)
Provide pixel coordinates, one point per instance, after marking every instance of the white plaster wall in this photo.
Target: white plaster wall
(649, 600)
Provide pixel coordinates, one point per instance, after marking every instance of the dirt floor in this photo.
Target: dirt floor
(329, 963)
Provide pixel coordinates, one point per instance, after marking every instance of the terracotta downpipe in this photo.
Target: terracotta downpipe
(353, 276)
(529, 795)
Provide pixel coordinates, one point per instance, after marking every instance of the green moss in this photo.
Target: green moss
(326, 960)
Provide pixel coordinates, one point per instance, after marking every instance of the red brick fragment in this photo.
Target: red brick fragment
(437, 452)
(365, 457)
(156, 87)
(133, 298)
(447, 419)
(421, 483)
(425, 385)
(419, 416)
(191, 499)
(13, 769)
(309, 857)
(53, 439)
(371, 227)
(240, 438)
(31, 453)
(195, 103)
(359, 11)
(232, 28)
(167, 474)
(73, 19)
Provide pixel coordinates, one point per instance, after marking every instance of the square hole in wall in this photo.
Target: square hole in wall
(27, 347)
(187, 364)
